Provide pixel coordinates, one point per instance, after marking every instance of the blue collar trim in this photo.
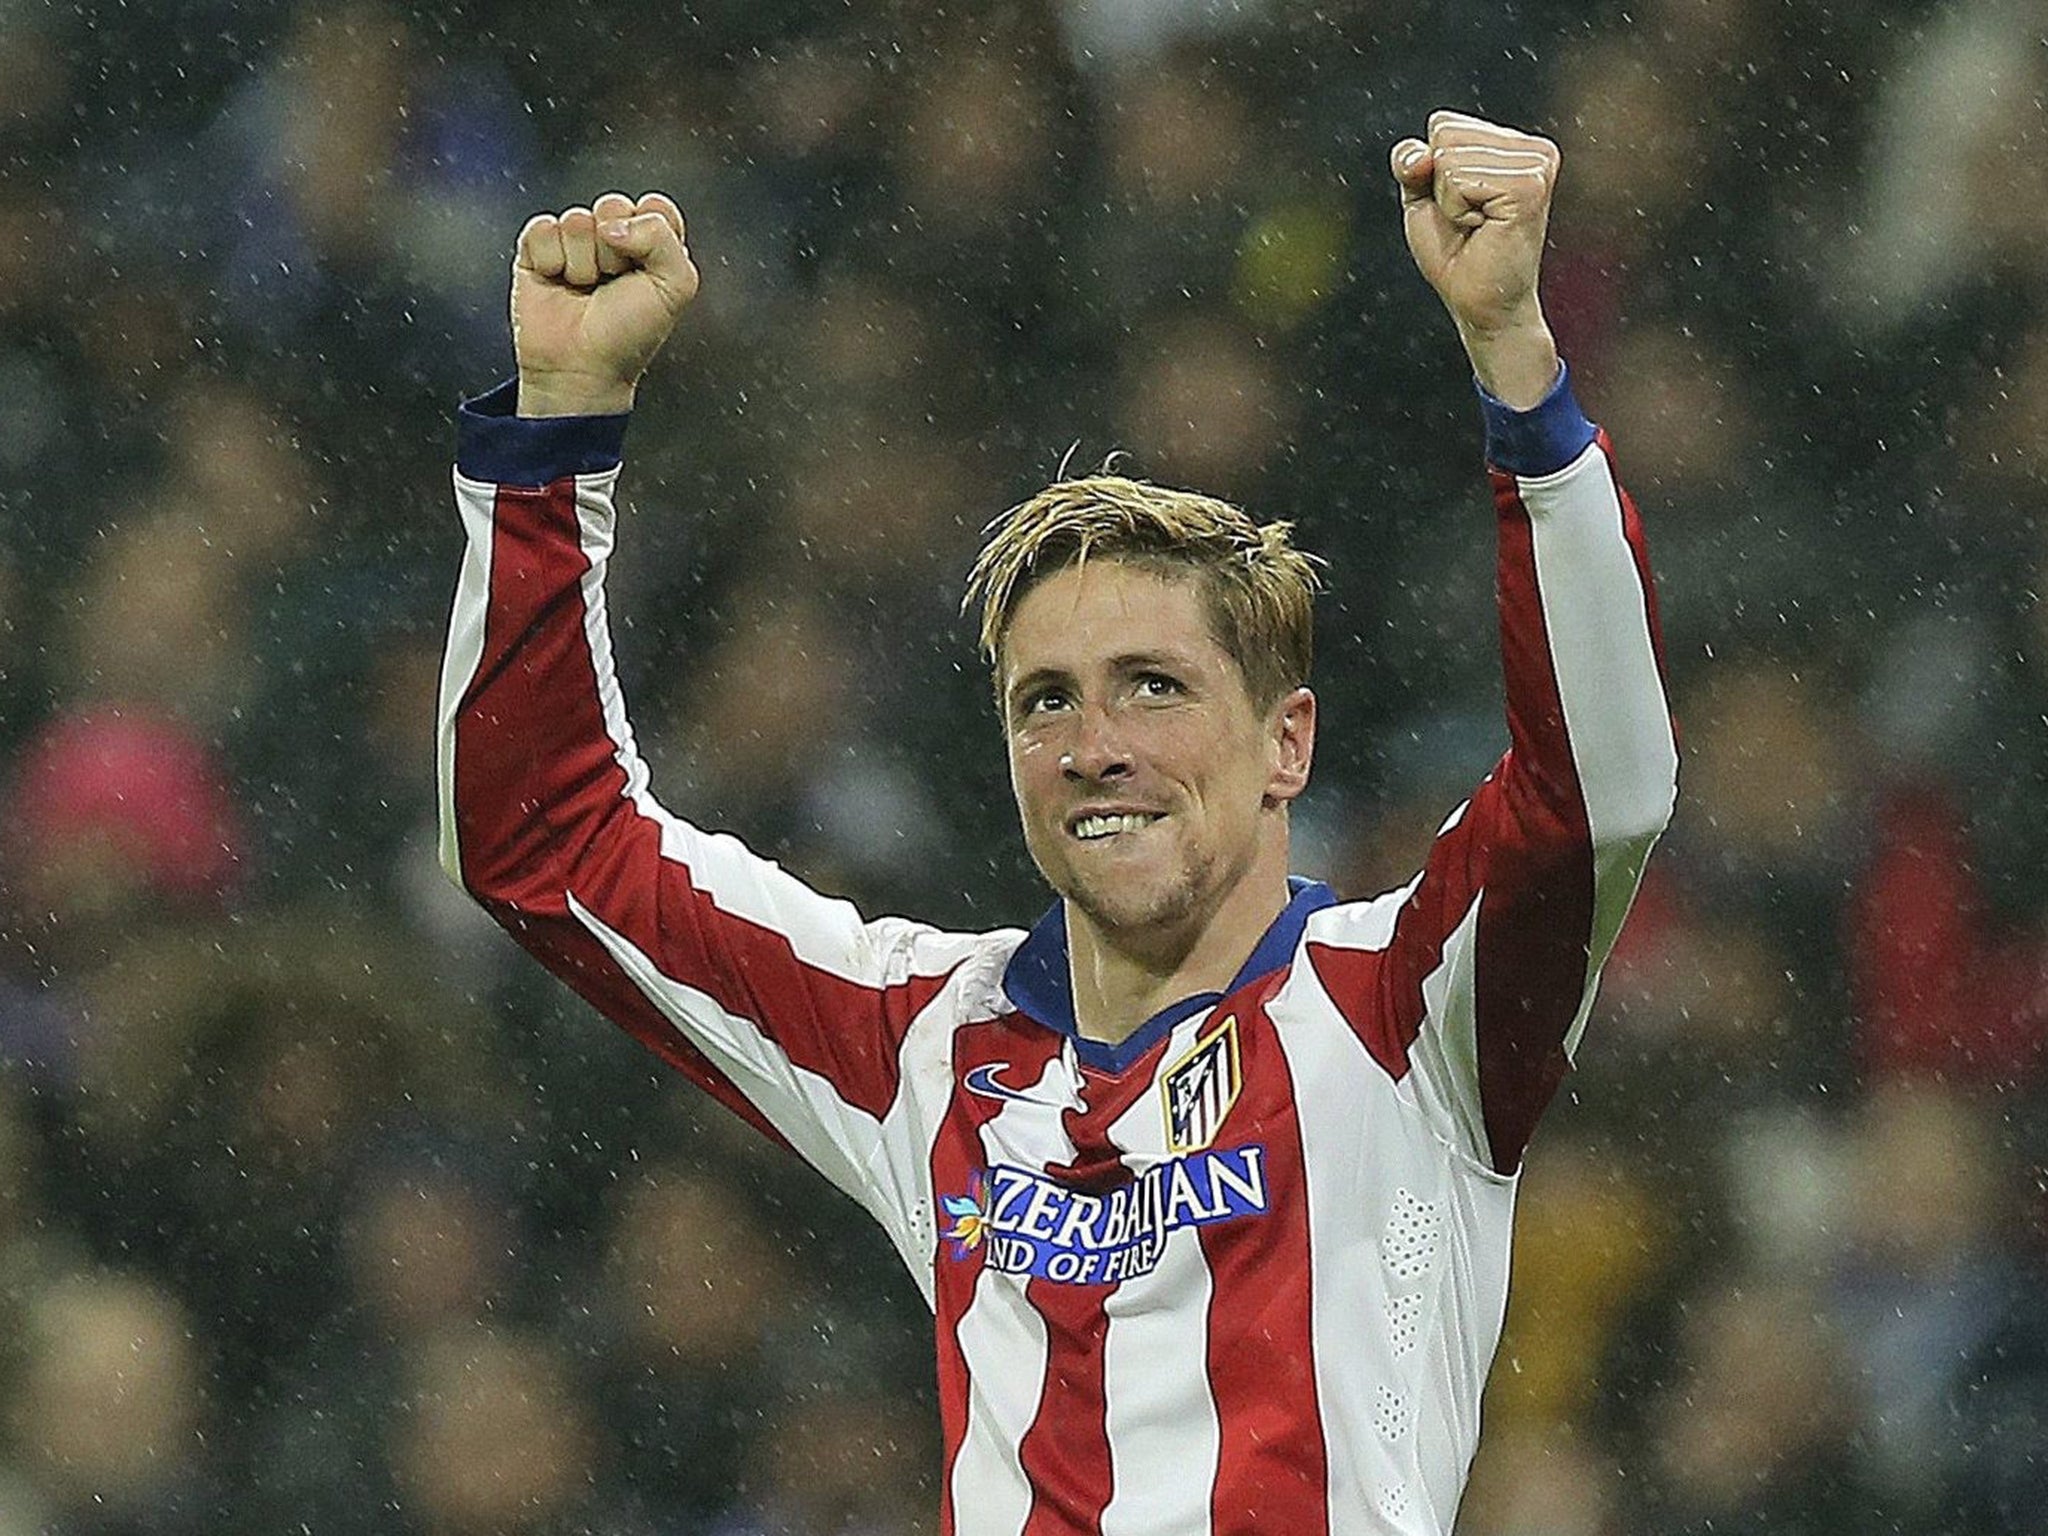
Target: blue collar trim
(1040, 982)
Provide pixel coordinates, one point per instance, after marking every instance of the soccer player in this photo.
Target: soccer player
(1207, 1176)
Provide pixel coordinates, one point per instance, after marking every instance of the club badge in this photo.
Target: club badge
(1199, 1089)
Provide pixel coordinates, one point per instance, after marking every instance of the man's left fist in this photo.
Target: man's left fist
(1475, 201)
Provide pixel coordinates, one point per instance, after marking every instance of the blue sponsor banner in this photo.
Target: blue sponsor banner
(1027, 1224)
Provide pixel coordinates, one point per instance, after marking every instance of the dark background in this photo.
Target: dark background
(322, 1211)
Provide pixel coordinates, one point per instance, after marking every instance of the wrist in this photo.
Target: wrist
(547, 392)
(1516, 363)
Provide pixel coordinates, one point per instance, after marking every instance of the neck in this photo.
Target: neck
(1122, 978)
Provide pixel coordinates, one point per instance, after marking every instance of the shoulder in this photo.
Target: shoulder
(969, 964)
(1367, 924)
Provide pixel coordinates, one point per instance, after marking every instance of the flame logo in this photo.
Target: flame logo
(970, 1216)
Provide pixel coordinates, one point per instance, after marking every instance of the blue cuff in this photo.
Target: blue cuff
(1538, 441)
(493, 443)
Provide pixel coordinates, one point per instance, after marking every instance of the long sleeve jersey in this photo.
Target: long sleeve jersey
(1242, 1273)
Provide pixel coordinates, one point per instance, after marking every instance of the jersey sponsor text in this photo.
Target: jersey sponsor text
(1028, 1224)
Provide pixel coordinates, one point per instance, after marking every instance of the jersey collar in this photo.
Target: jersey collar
(1039, 981)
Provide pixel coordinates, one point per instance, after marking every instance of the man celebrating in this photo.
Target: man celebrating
(1208, 1177)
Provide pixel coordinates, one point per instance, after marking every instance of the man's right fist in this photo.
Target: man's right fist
(595, 292)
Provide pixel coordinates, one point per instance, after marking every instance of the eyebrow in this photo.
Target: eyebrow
(1140, 661)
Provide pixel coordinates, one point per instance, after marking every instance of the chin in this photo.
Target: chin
(1127, 906)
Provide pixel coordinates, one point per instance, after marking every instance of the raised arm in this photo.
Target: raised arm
(1478, 977)
(785, 1004)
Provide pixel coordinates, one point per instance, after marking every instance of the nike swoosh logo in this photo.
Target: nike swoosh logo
(982, 1080)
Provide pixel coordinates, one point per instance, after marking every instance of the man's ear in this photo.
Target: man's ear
(1291, 729)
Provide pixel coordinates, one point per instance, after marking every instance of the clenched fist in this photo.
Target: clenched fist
(1475, 200)
(595, 292)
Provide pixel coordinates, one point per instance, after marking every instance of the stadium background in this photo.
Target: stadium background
(321, 1211)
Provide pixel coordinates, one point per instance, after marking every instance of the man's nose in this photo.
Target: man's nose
(1097, 750)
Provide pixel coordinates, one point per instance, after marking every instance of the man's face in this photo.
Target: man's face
(1148, 782)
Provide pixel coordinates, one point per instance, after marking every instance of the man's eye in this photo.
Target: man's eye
(1157, 685)
(1045, 701)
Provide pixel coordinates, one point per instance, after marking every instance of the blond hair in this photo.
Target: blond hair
(1258, 588)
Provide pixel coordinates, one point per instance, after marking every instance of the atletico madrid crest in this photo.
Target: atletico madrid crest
(1200, 1088)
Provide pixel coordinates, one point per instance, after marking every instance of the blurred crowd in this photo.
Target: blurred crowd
(324, 1212)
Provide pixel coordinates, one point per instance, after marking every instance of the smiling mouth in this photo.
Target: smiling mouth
(1094, 829)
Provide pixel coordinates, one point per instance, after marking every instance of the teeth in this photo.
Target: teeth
(1089, 827)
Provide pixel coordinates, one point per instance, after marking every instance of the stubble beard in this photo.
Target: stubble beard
(1155, 906)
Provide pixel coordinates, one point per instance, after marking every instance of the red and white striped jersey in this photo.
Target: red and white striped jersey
(1243, 1273)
